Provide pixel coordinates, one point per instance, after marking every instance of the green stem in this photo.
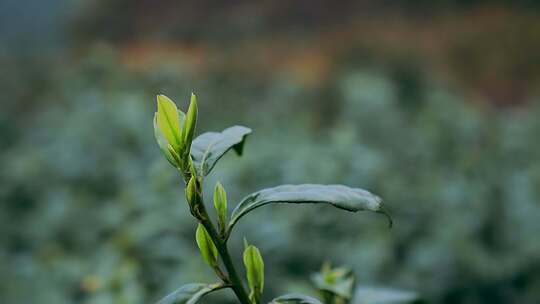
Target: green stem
(221, 245)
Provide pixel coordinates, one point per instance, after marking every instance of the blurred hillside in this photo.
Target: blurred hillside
(488, 49)
(432, 105)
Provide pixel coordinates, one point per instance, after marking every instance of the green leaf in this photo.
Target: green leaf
(209, 147)
(380, 295)
(164, 145)
(190, 293)
(343, 197)
(167, 121)
(187, 133)
(206, 246)
(294, 298)
(220, 204)
(254, 264)
(191, 120)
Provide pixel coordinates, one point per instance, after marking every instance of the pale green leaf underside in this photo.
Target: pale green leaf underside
(189, 293)
(382, 295)
(343, 197)
(295, 299)
(209, 147)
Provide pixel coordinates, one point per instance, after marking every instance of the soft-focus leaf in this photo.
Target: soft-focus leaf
(343, 197)
(337, 281)
(206, 246)
(189, 293)
(209, 147)
(382, 295)
(167, 120)
(295, 299)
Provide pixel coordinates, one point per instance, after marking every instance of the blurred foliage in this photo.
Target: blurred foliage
(356, 94)
(335, 286)
(93, 214)
(489, 49)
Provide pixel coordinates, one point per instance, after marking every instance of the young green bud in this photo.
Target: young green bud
(191, 167)
(194, 197)
(190, 122)
(254, 271)
(192, 191)
(168, 122)
(220, 204)
(206, 246)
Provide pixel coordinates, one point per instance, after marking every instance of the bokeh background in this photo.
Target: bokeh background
(433, 105)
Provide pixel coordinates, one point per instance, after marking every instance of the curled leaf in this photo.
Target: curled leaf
(190, 293)
(209, 147)
(295, 298)
(342, 197)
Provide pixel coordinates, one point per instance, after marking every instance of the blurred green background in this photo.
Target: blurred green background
(433, 105)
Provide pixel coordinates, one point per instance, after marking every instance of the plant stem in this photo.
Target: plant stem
(233, 276)
(221, 245)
